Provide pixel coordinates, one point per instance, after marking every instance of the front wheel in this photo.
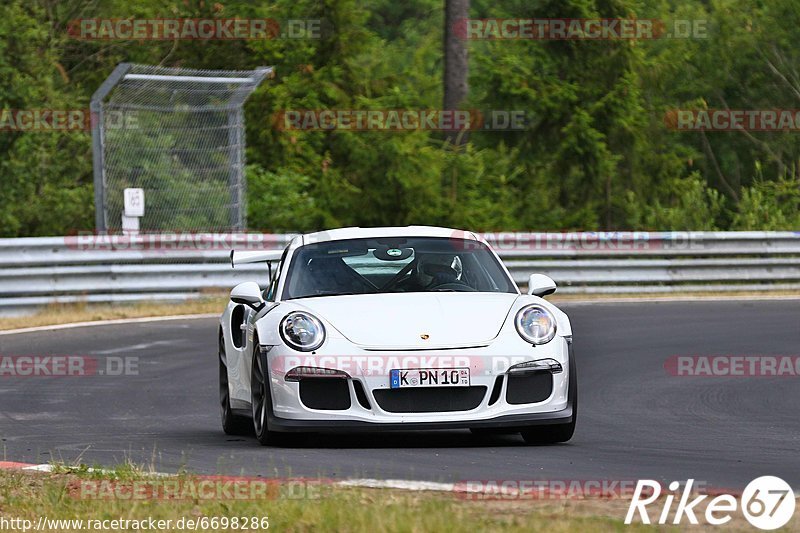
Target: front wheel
(261, 399)
(232, 424)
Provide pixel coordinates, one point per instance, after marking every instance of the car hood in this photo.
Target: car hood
(402, 320)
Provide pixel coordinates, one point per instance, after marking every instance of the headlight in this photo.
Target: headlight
(302, 331)
(535, 324)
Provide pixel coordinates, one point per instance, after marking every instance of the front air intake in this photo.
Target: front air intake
(429, 399)
(529, 387)
(325, 393)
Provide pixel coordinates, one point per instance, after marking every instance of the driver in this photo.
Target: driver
(435, 269)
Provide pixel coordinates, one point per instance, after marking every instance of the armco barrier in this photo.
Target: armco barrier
(39, 271)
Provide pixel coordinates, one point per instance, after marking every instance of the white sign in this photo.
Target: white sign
(130, 225)
(134, 202)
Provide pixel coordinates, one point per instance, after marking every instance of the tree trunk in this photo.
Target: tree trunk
(455, 62)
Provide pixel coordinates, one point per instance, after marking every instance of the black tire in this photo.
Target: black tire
(232, 424)
(261, 398)
(555, 433)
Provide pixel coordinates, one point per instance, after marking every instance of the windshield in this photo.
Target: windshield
(387, 265)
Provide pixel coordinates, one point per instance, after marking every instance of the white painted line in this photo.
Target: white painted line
(48, 468)
(401, 484)
(398, 484)
(108, 323)
(40, 468)
(136, 347)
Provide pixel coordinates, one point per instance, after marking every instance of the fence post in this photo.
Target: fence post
(98, 156)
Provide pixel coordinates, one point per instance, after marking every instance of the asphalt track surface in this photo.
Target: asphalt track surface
(636, 420)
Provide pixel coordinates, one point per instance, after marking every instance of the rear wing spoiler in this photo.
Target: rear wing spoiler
(260, 256)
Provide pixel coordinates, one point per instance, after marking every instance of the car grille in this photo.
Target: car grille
(429, 399)
(325, 393)
(532, 387)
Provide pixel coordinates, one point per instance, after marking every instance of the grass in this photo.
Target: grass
(71, 313)
(28, 496)
(60, 495)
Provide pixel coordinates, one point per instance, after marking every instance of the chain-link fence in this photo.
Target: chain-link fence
(178, 134)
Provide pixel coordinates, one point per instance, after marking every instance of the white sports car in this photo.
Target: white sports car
(394, 328)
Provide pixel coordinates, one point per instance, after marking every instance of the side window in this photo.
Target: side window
(276, 275)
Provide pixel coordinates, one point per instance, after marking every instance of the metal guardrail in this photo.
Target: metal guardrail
(40, 271)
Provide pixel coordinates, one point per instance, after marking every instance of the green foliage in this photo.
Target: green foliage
(688, 204)
(279, 202)
(769, 205)
(45, 177)
(596, 154)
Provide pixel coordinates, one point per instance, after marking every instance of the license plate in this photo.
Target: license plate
(429, 377)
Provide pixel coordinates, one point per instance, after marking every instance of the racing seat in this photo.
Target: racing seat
(332, 275)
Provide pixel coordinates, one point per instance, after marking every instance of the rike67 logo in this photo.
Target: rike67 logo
(767, 502)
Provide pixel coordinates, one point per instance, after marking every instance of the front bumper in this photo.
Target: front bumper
(565, 416)
(289, 413)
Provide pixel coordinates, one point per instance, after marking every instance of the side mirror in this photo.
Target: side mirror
(248, 293)
(541, 285)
